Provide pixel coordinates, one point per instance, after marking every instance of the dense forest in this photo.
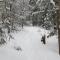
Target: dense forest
(18, 13)
(29, 29)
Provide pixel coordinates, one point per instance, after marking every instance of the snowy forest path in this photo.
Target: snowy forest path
(29, 40)
(30, 43)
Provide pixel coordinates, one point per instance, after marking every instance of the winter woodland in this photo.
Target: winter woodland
(29, 30)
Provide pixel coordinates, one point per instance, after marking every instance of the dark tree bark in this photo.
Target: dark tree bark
(58, 26)
(43, 39)
(57, 2)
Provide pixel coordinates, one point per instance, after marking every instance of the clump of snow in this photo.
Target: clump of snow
(52, 2)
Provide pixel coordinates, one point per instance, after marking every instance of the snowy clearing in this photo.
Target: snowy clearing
(31, 47)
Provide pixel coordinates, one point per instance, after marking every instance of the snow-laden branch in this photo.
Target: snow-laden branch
(42, 11)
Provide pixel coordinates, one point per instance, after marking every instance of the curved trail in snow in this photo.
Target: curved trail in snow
(32, 49)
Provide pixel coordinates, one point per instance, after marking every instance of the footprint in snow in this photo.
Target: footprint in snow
(18, 48)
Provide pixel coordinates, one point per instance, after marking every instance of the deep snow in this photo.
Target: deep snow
(29, 40)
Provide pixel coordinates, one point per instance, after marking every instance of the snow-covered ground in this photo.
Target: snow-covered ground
(31, 47)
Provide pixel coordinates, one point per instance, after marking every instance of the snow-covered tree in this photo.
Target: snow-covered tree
(43, 11)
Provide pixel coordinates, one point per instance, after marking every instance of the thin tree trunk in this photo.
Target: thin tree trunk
(58, 26)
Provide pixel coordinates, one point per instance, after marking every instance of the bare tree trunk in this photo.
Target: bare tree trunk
(22, 25)
(59, 39)
(57, 3)
(58, 26)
